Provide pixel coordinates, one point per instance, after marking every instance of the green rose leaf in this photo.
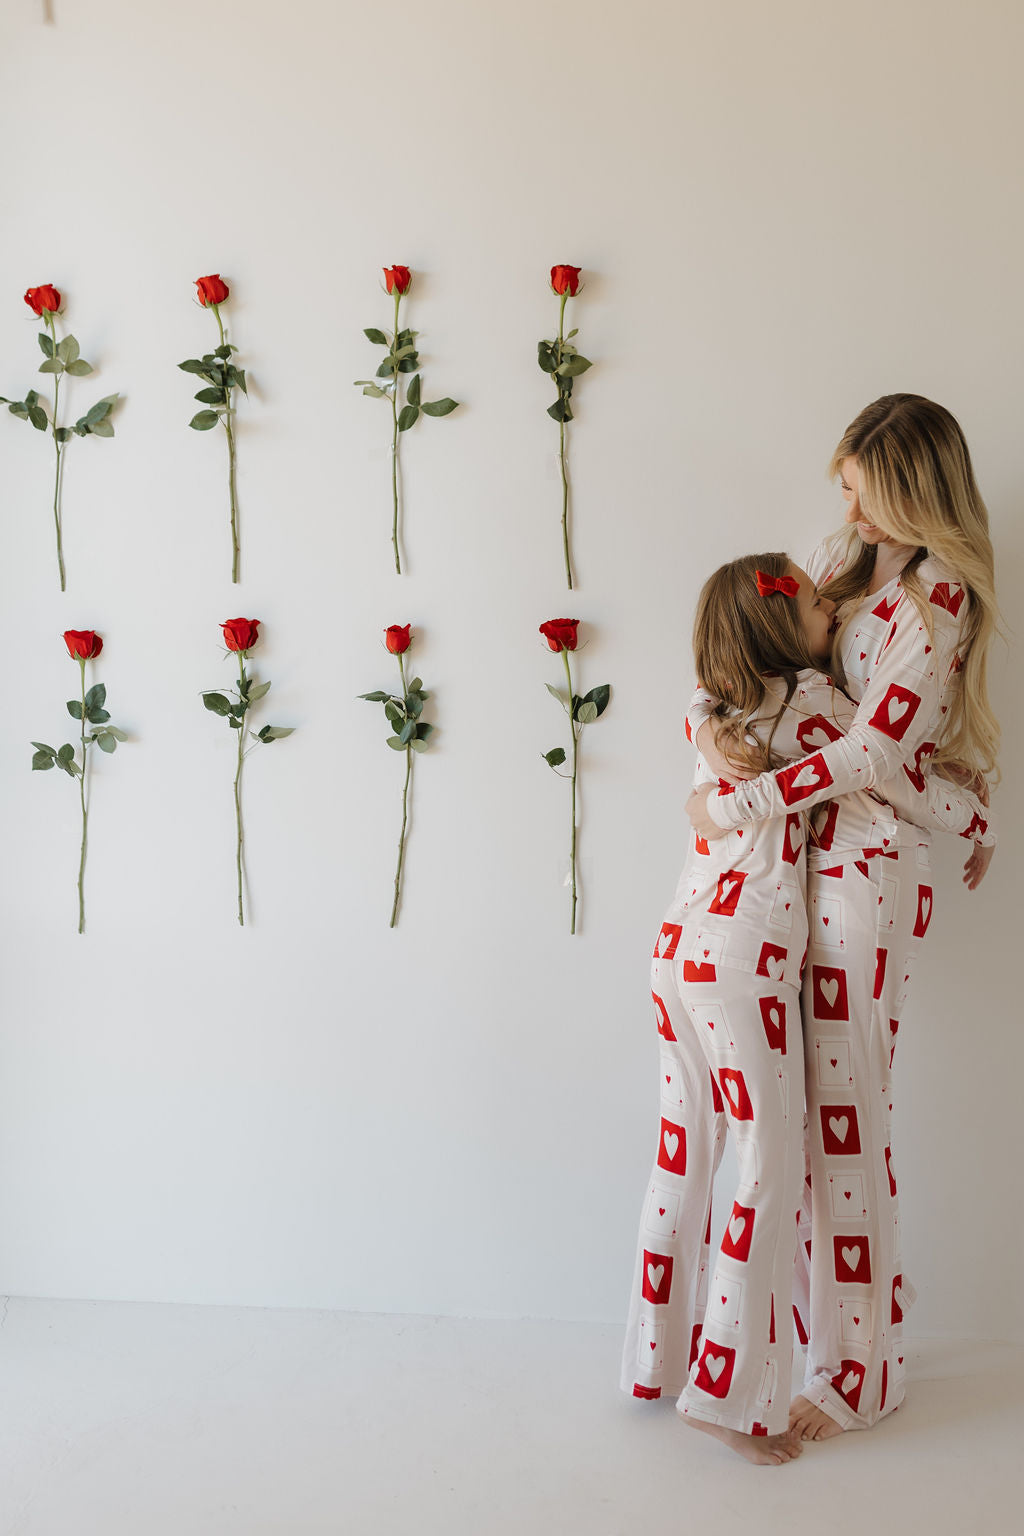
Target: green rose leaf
(599, 697)
(545, 356)
(560, 411)
(43, 758)
(416, 685)
(586, 713)
(80, 368)
(97, 716)
(558, 693)
(102, 428)
(68, 350)
(105, 741)
(393, 741)
(574, 332)
(46, 343)
(395, 714)
(572, 367)
(409, 364)
(276, 732)
(413, 705)
(257, 691)
(418, 744)
(101, 409)
(423, 730)
(65, 753)
(117, 733)
(217, 703)
(386, 368)
(377, 337)
(75, 708)
(236, 379)
(413, 392)
(210, 396)
(52, 365)
(96, 696)
(375, 391)
(407, 417)
(439, 407)
(555, 757)
(407, 732)
(375, 698)
(37, 416)
(202, 421)
(192, 365)
(405, 351)
(63, 433)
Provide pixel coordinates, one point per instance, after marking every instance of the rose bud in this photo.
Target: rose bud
(397, 638)
(397, 279)
(46, 297)
(560, 634)
(82, 644)
(241, 634)
(211, 290)
(565, 279)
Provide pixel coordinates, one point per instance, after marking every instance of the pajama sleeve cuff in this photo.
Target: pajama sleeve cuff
(722, 808)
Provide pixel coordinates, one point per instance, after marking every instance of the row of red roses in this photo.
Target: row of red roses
(403, 711)
(221, 377)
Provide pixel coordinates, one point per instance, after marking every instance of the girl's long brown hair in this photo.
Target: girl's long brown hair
(738, 636)
(917, 484)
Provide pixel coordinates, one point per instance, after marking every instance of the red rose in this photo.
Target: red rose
(397, 637)
(397, 278)
(46, 297)
(211, 290)
(560, 634)
(82, 644)
(563, 278)
(241, 634)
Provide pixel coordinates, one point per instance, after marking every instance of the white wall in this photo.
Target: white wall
(783, 211)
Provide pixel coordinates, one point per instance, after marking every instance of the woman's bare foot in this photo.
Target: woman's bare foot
(762, 1450)
(809, 1422)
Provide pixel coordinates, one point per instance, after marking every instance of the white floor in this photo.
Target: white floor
(138, 1420)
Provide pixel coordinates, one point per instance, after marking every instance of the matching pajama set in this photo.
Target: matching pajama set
(726, 982)
(869, 905)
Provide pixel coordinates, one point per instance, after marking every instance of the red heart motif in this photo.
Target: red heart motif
(834, 1060)
(723, 1301)
(856, 1322)
(862, 655)
(825, 921)
(846, 1194)
(654, 1343)
(661, 1209)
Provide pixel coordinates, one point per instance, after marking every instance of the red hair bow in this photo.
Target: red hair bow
(766, 585)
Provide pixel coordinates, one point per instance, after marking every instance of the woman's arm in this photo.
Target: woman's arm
(700, 730)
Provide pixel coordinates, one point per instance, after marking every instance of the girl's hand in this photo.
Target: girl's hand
(706, 745)
(977, 866)
(697, 810)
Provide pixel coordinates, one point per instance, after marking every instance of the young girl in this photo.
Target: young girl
(726, 985)
(914, 581)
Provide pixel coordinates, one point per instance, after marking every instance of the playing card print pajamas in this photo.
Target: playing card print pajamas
(725, 982)
(869, 902)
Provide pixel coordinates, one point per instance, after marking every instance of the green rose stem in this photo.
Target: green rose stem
(394, 453)
(405, 794)
(575, 756)
(85, 812)
(565, 483)
(48, 322)
(231, 469)
(238, 786)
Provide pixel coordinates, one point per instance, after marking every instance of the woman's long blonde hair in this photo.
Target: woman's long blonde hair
(918, 486)
(738, 636)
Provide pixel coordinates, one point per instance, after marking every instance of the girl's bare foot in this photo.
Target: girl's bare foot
(809, 1422)
(762, 1450)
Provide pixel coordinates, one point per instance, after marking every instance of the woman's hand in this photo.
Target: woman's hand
(707, 746)
(697, 810)
(977, 865)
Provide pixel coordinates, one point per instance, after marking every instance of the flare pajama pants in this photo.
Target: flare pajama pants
(867, 920)
(730, 1057)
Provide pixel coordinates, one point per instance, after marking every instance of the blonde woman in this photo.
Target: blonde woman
(725, 981)
(913, 581)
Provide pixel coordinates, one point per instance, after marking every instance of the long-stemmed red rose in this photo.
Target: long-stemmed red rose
(83, 645)
(563, 363)
(222, 377)
(60, 357)
(403, 713)
(240, 635)
(562, 637)
(402, 357)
